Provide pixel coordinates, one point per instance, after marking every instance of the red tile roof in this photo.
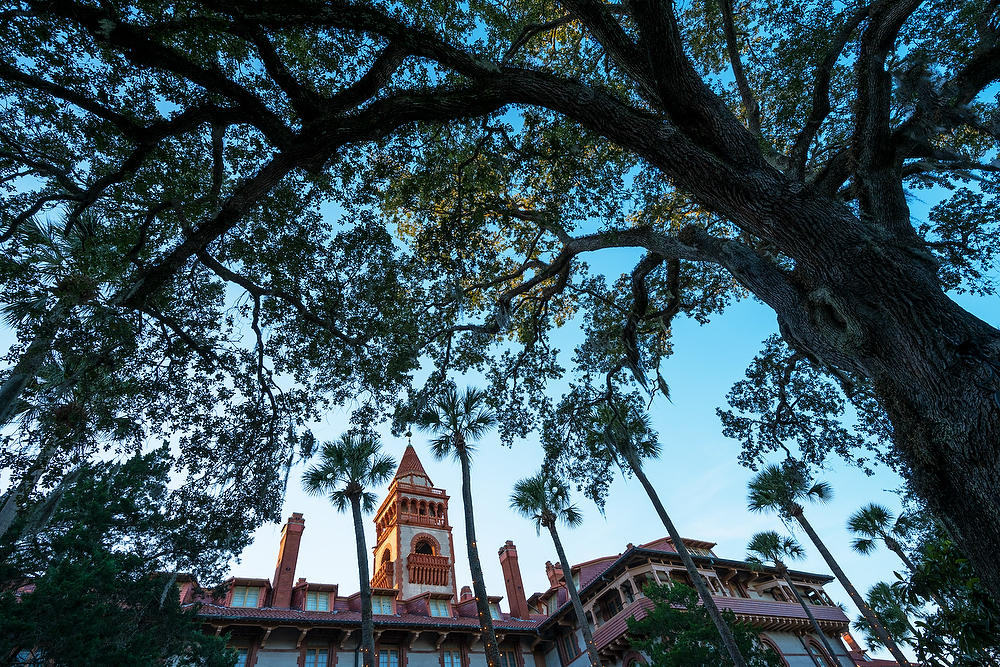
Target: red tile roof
(208, 612)
(411, 465)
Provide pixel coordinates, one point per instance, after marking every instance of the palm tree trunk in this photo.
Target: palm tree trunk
(478, 586)
(866, 611)
(367, 625)
(574, 596)
(31, 360)
(898, 550)
(812, 619)
(8, 513)
(728, 641)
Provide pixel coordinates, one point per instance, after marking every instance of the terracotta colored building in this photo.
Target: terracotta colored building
(423, 619)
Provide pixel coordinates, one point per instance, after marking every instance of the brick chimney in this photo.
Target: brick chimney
(466, 594)
(288, 554)
(554, 573)
(512, 580)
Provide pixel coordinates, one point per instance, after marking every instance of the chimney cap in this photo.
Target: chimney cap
(297, 518)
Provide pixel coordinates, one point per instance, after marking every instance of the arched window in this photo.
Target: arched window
(386, 556)
(431, 509)
(423, 547)
(819, 654)
(774, 647)
(423, 508)
(405, 505)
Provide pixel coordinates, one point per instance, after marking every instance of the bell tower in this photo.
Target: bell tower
(414, 552)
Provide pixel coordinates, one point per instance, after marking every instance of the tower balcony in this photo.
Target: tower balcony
(427, 569)
(423, 520)
(383, 575)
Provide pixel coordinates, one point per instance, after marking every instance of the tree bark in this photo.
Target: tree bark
(574, 596)
(873, 621)
(478, 586)
(728, 641)
(31, 360)
(8, 514)
(367, 624)
(898, 550)
(805, 607)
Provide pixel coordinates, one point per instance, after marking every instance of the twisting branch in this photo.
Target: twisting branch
(376, 78)
(530, 31)
(799, 153)
(302, 98)
(205, 352)
(258, 291)
(742, 84)
(881, 199)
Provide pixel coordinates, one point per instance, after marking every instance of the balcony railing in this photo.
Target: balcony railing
(427, 569)
(423, 520)
(383, 575)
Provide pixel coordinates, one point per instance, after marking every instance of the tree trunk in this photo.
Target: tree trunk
(574, 596)
(805, 606)
(866, 611)
(898, 550)
(367, 625)
(31, 360)
(8, 514)
(478, 586)
(728, 641)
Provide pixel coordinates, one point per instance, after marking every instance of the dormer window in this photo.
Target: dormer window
(245, 596)
(317, 601)
(438, 607)
(381, 604)
(494, 611)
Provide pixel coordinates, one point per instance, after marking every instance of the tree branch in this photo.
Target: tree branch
(821, 94)
(732, 47)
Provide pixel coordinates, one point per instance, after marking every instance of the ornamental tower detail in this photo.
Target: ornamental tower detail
(414, 551)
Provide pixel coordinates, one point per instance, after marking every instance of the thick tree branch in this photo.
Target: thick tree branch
(821, 94)
(742, 84)
(881, 197)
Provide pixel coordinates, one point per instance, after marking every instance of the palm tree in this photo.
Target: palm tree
(769, 546)
(877, 522)
(628, 436)
(458, 419)
(65, 276)
(545, 500)
(780, 489)
(346, 469)
(896, 611)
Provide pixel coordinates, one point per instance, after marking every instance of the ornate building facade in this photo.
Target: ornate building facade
(423, 619)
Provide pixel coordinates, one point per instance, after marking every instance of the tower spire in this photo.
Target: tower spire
(410, 466)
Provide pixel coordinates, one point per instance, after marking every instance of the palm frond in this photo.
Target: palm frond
(368, 501)
(871, 521)
(820, 491)
(863, 545)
